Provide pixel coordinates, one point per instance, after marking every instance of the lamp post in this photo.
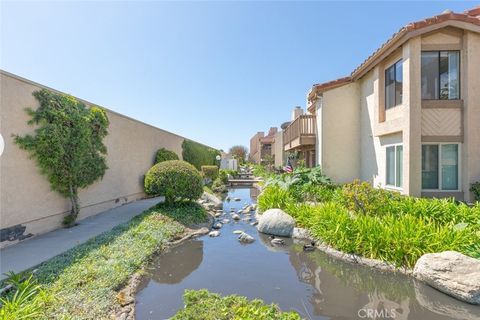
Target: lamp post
(218, 157)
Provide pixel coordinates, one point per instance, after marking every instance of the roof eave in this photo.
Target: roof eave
(402, 37)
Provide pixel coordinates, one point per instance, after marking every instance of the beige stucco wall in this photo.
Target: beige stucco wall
(25, 195)
(471, 94)
(255, 152)
(339, 142)
(278, 149)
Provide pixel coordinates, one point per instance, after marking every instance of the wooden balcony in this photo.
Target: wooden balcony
(300, 133)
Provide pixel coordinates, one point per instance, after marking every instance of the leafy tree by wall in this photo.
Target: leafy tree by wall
(67, 145)
(198, 154)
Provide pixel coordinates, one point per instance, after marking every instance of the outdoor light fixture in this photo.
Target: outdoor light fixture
(2, 144)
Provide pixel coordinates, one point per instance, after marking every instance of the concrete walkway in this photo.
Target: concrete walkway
(31, 252)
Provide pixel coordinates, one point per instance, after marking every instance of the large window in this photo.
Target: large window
(440, 166)
(394, 159)
(393, 85)
(440, 75)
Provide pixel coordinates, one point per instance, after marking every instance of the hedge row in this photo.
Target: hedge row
(198, 154)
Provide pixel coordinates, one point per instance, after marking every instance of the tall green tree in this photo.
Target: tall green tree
(67, 144)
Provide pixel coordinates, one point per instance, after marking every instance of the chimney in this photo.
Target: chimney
(297, 112)
(272, 131)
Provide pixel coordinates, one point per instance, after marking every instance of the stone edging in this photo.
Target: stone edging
(356, 259)
(301, 233)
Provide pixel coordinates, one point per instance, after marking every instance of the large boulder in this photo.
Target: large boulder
(452, 273)
(276, 222)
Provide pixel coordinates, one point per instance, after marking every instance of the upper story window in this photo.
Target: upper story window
(393, 85)
(440, 75)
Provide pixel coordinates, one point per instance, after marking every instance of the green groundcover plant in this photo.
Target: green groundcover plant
(202, 304)
(376, 223)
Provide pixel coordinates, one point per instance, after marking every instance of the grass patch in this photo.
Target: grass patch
(202, 304)
(82, 283)
(186, 213)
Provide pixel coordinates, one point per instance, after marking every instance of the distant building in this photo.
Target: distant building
(299, 137)
(228, 162)
(261, 146)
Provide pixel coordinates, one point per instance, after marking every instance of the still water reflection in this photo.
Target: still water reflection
(311, 283)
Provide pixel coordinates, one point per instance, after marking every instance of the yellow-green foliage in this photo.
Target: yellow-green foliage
(381, 224)
(273, 196)
(202, 304)
(165, 155)
(210, 172)
(401, 240)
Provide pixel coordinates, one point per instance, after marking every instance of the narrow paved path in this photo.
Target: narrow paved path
(34, 251)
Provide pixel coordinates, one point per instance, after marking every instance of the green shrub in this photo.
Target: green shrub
(305, 184)
(401, 240)
(381, 224)
(219, 186)
(224, 174)
(274, 197)
(175, 180)
(210, 172)
(165, 155)
(202, 304)
(198, 155)
(442, 211)
(361, 197)
(23, 299)
(261, 171)
(475, 188)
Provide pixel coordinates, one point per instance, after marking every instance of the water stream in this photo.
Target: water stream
(311, 283)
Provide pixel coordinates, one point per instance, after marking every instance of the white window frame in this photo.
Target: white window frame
(459, 173)
(390, 186)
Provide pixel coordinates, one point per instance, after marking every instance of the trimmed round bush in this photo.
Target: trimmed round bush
(165, 155)
(174, 179)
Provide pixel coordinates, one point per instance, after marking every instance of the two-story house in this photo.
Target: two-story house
(408, 118)
(261, 146)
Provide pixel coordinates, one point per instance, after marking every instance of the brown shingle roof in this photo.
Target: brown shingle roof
(470, 16)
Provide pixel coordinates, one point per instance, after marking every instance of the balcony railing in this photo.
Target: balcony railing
(301, 132)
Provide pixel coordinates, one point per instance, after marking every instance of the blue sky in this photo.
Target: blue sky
(215, 72)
